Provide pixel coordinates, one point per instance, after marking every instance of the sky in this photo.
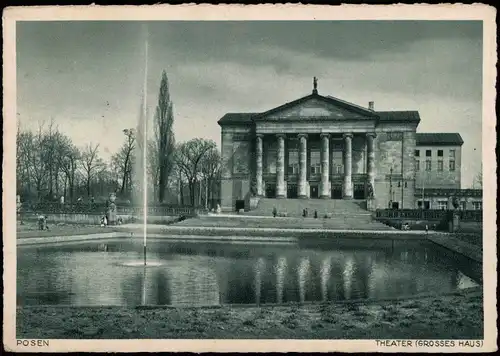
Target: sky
(87, 76)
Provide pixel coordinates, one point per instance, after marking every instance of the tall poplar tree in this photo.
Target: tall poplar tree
(164, 136)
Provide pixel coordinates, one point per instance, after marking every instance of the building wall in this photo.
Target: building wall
(394, 148)
(435, 178)
(469, 203)
(236, 154)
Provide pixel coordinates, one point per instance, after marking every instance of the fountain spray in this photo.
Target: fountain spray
(144, 149)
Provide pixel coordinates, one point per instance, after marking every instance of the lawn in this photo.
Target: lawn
(455, 316)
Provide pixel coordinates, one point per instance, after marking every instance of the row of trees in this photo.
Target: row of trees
(50, 165)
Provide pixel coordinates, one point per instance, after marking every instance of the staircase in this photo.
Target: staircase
(341, 214)
(295, 207)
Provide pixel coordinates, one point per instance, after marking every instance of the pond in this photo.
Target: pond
(192, 274)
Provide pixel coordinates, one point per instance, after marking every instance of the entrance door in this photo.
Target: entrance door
(270, 190)
(240, 204)
(359, 191)
(395, 205)
(337, 191)
(292, 191)
(314, 191)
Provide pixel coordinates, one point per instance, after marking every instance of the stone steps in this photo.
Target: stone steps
(295, 207)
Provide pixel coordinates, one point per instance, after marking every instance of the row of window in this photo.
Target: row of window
(443, 205)
(440, 153)
(315, 169)
(440, 165)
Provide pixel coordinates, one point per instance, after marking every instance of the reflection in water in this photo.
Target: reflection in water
(280, 271)
(199, 274)
(326, 266)
(259, 267)
(303, 273)
(347, 276)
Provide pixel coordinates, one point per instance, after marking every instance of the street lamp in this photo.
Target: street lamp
(390, 189)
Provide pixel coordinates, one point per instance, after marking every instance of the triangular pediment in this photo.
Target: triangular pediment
(317, 107)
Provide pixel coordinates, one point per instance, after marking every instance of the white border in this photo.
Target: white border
(248, 12)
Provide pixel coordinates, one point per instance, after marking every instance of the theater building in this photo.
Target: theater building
(322, 147)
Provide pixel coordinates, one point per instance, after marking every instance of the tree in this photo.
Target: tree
(478, 179)
(69, 160)
(91, 165)
(122, 161)
(210, 169)
(164, 144)
(188, 158)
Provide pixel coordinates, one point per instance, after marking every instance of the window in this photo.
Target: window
(428, 165)
(451, 166)
(316, 168)
(417, 165)
(452, 153)
(442, 204)
(440, 153)
(440, 166)
(428, 153)
(417, 153)
(315, 162)
(293, 161)
(477, 205)
(293, 168)
(338, 169)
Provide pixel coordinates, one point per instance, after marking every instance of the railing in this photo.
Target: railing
(418, 214)
(100, 208)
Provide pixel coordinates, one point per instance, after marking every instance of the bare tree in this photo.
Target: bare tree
(210, 169)
(188, 158)
(91, 165)
(164, 137)
(69, 162)
(478, 179)
(123, 160)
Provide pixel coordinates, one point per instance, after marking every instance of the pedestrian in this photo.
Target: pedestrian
(275, 212)
(315, 214)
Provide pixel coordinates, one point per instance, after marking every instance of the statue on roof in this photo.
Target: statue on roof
(315, 84)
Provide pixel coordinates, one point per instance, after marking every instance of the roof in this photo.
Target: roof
(237, 118)
(393, 116)
(383, 116)
(328, 99)
(441, 138)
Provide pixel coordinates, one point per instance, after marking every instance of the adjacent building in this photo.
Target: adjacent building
(322, 147)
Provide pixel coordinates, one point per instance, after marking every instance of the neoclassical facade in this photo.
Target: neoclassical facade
(320, 147)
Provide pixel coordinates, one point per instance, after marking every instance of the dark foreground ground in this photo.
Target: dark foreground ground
(457, 316)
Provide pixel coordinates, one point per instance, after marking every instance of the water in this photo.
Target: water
(188, 274)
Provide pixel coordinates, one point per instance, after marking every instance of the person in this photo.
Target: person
(104, 221)
(218, 209)
(315, 214)
(275, 212)
(426, 228)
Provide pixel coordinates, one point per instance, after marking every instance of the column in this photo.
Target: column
(280, 167)
(302, 185)
(258, 171)
(325, 167)
(348, 166)
(370, 150)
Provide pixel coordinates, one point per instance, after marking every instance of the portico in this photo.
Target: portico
(296, 175)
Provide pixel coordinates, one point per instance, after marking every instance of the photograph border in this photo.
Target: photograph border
(263, 12)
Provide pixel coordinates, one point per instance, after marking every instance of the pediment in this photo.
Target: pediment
(316, 107)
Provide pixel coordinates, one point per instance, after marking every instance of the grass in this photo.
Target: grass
(455, 316)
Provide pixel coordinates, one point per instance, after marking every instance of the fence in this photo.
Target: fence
(431, 214)
(100, 208)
